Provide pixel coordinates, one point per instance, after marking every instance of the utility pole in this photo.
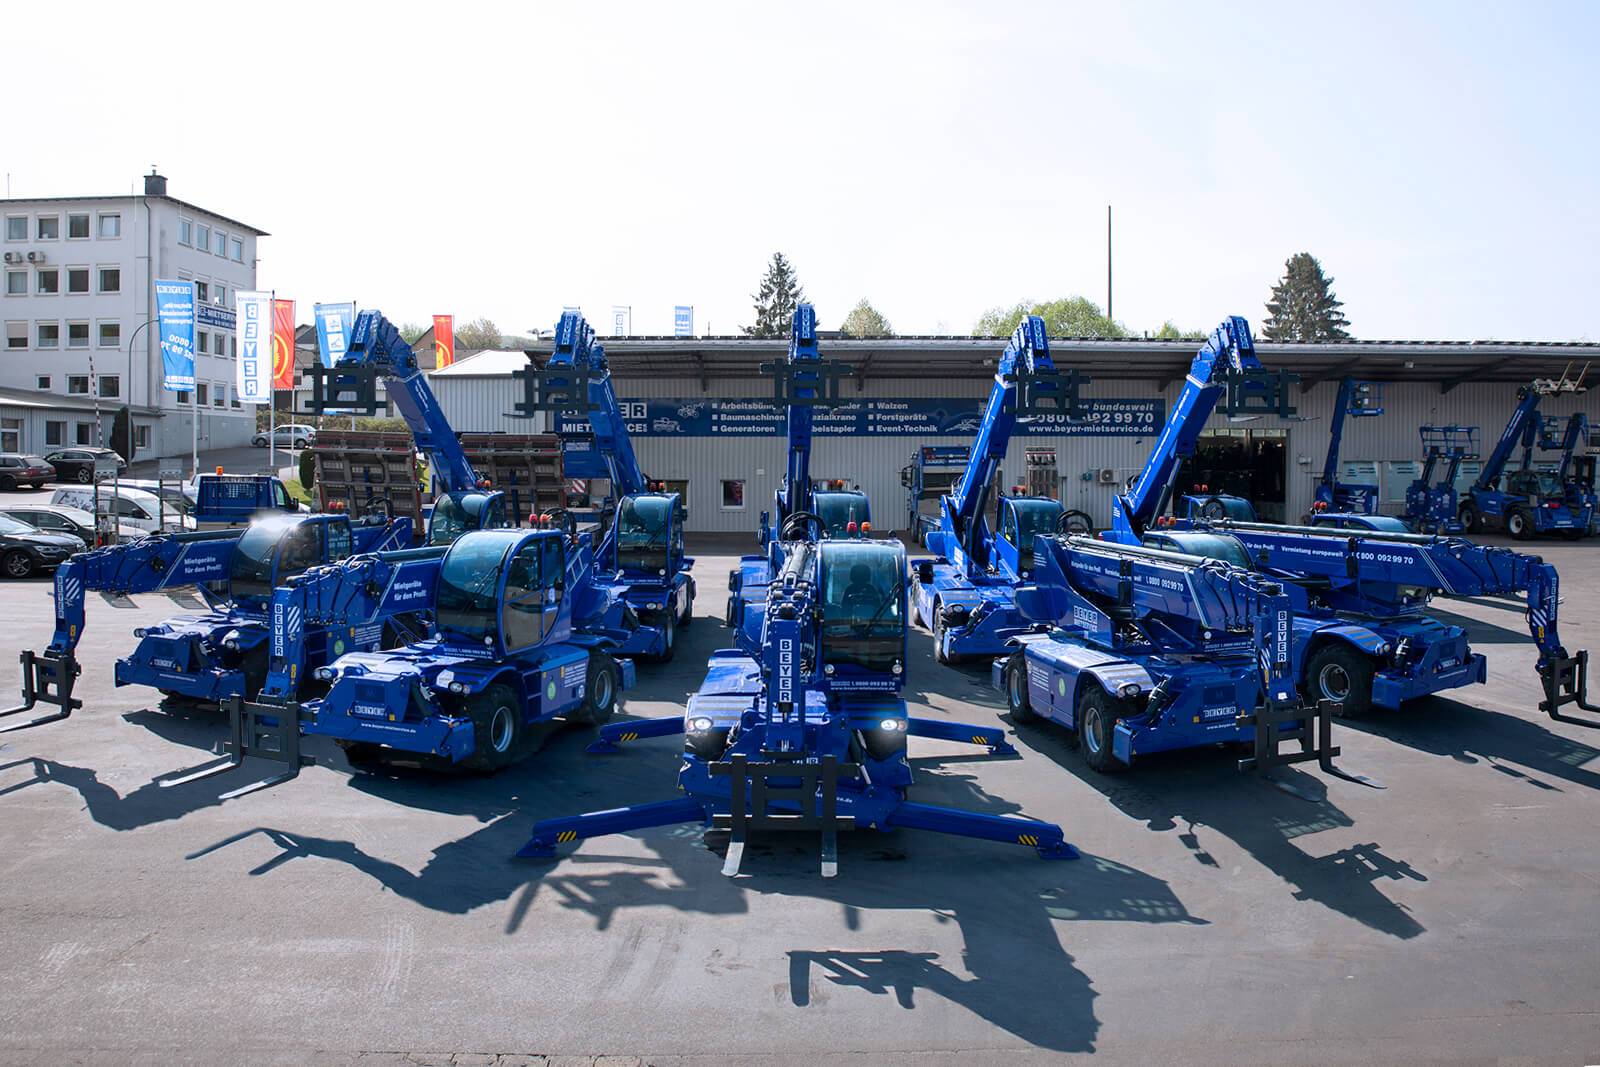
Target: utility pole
(1109, 317)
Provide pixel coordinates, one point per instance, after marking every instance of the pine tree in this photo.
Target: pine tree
(1302, 306)
(775, 301)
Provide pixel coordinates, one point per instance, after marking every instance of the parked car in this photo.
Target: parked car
(59, 518)
(17, 469)
(289, 435)
(25, 550)
(77, 464)
(133, 506)
(179, 496)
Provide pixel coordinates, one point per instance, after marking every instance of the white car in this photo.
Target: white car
(134, 507)
(289, 435)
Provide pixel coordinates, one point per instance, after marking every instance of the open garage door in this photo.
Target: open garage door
(1241, 462)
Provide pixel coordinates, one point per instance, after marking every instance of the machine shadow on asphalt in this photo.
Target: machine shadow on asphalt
(1198, 790)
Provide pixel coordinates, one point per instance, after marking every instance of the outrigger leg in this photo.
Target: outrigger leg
(271, 731)
(548, 833)
(990, 737)
(615, 733)
(1044, 837)
(47, 679)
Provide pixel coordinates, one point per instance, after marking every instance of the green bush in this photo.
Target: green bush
(308, 469)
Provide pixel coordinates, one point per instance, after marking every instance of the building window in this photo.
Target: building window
(733, 494)
(11, 435)
(110, 226)
(16, 335)
(141, 436)
(221, 294)
(78, 227)
(183, 396)
(85, 432)
(49, 281)
(201, 393)
(111, 335)
(55, 433)
(77, 335)
(233, 397)
(219, 243)
(111, 279)
(42, 381)
(49, 335)
(201, 340)
(16, 227)
(110, 386)
(236, 249)
(233, 345)
(201, 289)
(16, 283)
(77, 385)
(219, 395)
(49, 228)
(202, 237)
(77, 279)
(185, 232)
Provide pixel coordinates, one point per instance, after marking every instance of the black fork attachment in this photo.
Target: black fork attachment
(1566, 681)
(1310, 727)
(269, 731)
(46, 679)
(816, 796)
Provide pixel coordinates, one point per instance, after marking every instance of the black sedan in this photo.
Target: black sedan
(17, 469)
(77, 464)
(25, 550)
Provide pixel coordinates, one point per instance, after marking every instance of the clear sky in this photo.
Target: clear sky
(508, 159)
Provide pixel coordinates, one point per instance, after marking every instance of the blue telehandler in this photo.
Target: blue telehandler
(523, 632)
(211, 655)
(1431, 498)
(1356, 400)
(802, 382)
(1526, 501)
(802, 726)
(1142, 650)
(966, 594)
(642, 539)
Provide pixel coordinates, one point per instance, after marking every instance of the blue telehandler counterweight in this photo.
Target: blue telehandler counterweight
(642, 540)
(966, 595)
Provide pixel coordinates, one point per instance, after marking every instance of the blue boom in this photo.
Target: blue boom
(642, 543)
(966, 595)
(1526, 501)
(1356, 400)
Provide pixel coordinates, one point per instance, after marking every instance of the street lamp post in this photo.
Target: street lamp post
(137, 330)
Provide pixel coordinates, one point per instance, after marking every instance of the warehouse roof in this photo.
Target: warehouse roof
(1449, 363)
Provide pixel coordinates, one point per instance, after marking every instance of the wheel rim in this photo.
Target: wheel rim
(17, 566)
(1516, 523)
(1334, 681)
(83, 476)
(1016, 689)
(500, 729)
(1091, 730)
(602, 690)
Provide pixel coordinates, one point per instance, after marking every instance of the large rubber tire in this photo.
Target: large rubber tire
(254, 665)
(362, 755)
(1213, 509)
(938, 636)
(1519, 525)
(669, 629)
(599, 692)
(7, 482)
(496, 727)
(1340, 673)
(1016, 679)
(1469, 519)
(686, 618)
(17, 564)
(1098, 712)
(84, 476)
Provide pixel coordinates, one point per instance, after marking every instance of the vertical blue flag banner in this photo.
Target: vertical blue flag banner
(333, 330)
(175, 313)
(683, 321)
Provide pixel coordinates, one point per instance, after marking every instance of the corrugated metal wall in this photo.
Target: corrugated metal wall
(874, 463)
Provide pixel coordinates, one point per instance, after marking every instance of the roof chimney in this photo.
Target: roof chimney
(154, 184)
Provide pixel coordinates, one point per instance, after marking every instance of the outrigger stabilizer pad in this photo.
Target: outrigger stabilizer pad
(46, 679)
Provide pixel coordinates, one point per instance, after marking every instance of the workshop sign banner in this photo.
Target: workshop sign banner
(253, 370)
(874, 417)
(175, 317)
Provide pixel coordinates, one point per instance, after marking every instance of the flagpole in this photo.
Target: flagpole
(272, 388)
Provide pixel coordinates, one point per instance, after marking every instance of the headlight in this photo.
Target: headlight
(323, 674)
(458, 687)
(828, 669)
(653, 607)
(231, 644)
(896, 668)
(700, 724)
(1129, 690)
(892, 725)
(662, 572)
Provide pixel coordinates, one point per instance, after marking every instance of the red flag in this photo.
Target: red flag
(444, 341)
(283, 344)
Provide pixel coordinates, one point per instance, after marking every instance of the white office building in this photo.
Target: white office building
(77, 308)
